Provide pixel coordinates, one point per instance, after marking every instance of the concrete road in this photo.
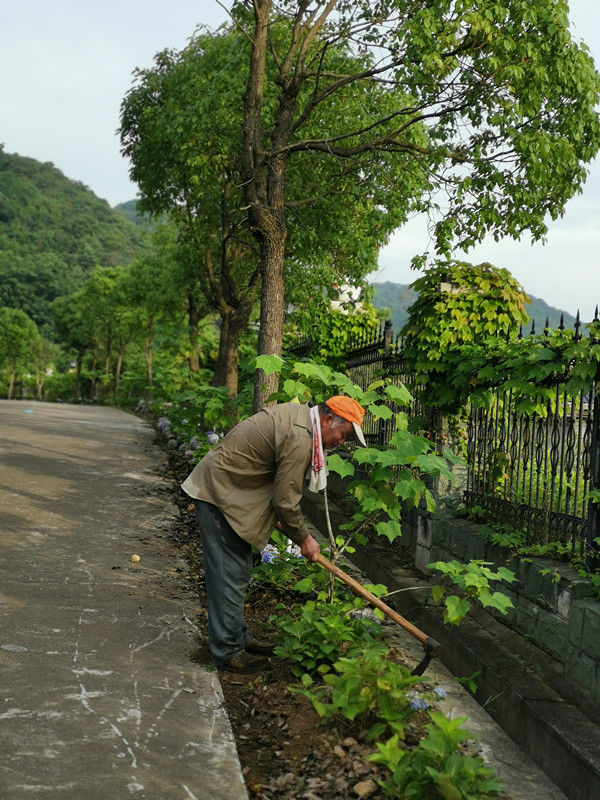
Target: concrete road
(99, 696)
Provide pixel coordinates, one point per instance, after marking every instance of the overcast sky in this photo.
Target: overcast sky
(66, 65)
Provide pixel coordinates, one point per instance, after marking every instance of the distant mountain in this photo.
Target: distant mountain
(399, 297)
(53, 232)
(130, 210)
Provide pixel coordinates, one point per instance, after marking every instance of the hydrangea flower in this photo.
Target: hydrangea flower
(440, 693)
(268, 554)
(212, 437)
(419, 704)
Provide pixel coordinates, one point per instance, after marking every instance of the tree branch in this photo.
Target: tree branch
(235, 22)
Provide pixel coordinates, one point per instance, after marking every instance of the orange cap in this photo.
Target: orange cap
(349, 409)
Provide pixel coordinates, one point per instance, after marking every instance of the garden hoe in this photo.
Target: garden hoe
(431, 646)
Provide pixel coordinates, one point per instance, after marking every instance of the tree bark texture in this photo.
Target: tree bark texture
(271, 311)
(226, 367)
(193, 323)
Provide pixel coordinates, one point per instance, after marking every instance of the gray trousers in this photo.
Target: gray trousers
(227, 569)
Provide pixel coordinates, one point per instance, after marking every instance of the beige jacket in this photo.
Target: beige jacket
(255, 474)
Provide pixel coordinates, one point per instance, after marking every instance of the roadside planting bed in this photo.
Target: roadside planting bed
(290, 752)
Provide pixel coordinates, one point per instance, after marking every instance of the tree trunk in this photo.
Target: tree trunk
(193, 323)
(79, 364)
(148, 359)
(11, 382)
(264, 190)
(118, 367)
(94, 380)
(270, 336)
(233, 324)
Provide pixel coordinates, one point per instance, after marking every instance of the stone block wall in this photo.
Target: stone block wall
(554, 607)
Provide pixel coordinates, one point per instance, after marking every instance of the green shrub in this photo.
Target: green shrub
(368, 685)
(314, 636)
(435, 769)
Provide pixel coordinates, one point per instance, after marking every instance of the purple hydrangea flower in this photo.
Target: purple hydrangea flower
(212, 437)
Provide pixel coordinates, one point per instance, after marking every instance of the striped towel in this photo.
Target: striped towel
(318, 465)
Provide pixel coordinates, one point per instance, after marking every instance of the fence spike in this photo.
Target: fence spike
(577, 326)
(547, 327)
(561, 324)
(520, 336)
(596, 315)
(532, 332)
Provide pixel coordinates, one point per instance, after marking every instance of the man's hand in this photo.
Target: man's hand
(309, 548)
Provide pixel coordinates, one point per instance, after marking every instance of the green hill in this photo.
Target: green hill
(53, 232)
(399, 297)
(130, 210)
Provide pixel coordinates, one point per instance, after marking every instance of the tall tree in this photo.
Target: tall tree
(43, 355)
(506, 96)
(180, 129)
(17, 335)
(73, 328)
(189, 108)
(160, 286)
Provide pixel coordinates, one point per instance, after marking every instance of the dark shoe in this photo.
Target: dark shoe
(260, 648)
(245, 662)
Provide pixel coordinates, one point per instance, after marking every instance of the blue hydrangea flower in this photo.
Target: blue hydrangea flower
(440, 693)
(212, 437)
(268, 554)
(419, 704)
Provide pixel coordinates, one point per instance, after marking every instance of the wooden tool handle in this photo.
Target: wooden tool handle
(425, 640)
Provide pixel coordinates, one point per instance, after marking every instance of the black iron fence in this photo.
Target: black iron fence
(535, 471)
(532, 471)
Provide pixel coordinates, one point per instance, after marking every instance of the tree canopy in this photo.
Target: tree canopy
(493, 105)
(181, 127)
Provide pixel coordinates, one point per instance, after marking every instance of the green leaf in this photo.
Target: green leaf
(497, 600)
(380, 411)
(343, 467)
(506, 575)
(399, 394)
(309, 369)
(269, 364)
(304, 585)
(456, 609)
(391, 530)
(437, 592)
(296, 389)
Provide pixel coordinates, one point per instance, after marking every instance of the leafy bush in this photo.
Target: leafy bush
(435, 768)
(395, 474)
(474, 581)
(287, 573)
(368, 685)
(315, 635)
